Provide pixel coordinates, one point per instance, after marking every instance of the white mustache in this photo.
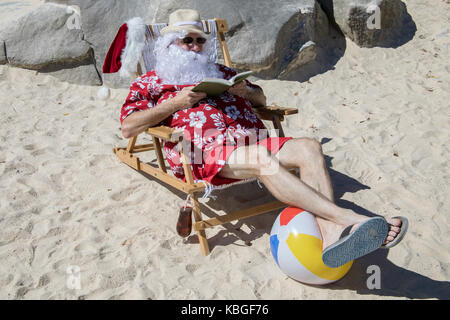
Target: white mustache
(178, 66)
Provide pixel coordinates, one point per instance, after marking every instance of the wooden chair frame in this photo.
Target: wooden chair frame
(126, 155)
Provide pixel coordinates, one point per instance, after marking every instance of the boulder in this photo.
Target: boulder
(271, 42)
(306, 54)
(3, 59)
(43, 40)
(371, 23)
(274, 42)
(260, 38)
(79, 74)
(101, 19)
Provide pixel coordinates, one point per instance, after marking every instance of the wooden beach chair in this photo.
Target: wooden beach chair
(217, 28)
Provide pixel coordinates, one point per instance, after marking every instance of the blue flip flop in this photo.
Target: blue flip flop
(367, 237)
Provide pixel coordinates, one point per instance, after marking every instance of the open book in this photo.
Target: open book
(215, 87)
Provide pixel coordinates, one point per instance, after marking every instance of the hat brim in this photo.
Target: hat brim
(189, 29)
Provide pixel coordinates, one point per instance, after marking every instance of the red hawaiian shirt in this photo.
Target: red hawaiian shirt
(214, 126)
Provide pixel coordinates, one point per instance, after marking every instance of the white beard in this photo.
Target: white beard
(177, 66)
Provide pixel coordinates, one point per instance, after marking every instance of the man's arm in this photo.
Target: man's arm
(254, 95)
(139, 121)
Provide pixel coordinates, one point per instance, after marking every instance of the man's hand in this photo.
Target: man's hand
(186, 98)
(239, 89)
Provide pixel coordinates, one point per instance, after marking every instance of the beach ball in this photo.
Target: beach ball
(296, 244)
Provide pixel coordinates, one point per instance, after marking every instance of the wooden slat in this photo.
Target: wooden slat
(165, 177)
(131, 144)
(187, 167)
(151, 31)
(222, 27)
(127, 158)
(274, 109)
(135, 163)
(159, 154)
(204, 247)
(285, 111)
(242, 214)
(166, 133)
(143, 148)
(277, 125)
(264, 114)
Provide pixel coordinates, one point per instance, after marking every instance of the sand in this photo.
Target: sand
(67, 204)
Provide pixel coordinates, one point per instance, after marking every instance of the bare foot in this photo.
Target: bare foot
(394, 229)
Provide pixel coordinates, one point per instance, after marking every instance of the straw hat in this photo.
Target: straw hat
(184, 20)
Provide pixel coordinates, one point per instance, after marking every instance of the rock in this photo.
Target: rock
(11, 11)
(79, 74)
(66, 2)
(3, 59)
(101, 20)
(55, 44)
(306, 54)
(371, 23)
(271, 42)
(260, 38)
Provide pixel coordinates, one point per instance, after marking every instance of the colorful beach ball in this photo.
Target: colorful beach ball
(296, 244)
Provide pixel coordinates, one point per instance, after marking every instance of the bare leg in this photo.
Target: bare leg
(313, 169)
(283, 185)
(314, 173)
(313, 192)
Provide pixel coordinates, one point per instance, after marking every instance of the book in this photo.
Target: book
(214, 87)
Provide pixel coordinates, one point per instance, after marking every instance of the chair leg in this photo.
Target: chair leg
(277, 125)
(204, 246)
(131, 144)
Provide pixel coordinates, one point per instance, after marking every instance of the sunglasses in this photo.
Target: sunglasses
(189, 40)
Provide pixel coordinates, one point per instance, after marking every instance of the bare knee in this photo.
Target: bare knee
(311, 150)
(314, 146)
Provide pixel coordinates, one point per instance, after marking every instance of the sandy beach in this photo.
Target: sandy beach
(382, 115)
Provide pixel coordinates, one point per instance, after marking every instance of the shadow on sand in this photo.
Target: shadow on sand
(395, 281)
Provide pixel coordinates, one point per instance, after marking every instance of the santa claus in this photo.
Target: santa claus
(226, 133)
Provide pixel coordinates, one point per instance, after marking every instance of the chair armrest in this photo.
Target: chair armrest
(268, 112)
(166, 133)
(285, 111)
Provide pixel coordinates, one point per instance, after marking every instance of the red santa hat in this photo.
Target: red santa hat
(124, 52)
(113, 59)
